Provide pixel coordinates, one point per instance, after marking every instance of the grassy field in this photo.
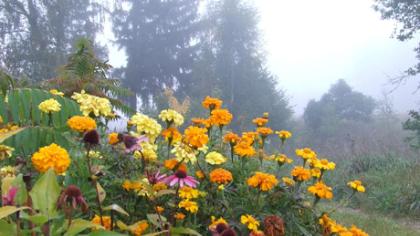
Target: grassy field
(376, 225)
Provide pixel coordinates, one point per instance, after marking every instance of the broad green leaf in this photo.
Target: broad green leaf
(101, 191)
(78, 225)
(8, 210)
(38, 219)
(21, 195)
(45, 193)
(116, 208)
(183, 231)
(155, 220)
(7, 229)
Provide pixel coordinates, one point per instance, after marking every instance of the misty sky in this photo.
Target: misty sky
(311, 44)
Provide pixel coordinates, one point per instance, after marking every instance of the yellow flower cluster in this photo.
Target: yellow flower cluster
(184, 153)
(331, 227)
(324, 164)
(263, 181)
(52, 156)
(251, 223)
(215, 222)
(288, 181)
(306, 153)
(5, 151)
(215, 158)
(148, 152)
(301, 174)
(8, 171)
(105, 219)
(357, 186)
(320, 190)
(146, 125)
(284, 134)
(171, 117)
(49, 106)
(188, 205)
(281, 159)
(90, 104)
(81, 124)
(187, 192)
(56, 92)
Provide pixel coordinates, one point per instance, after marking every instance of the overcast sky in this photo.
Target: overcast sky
(311, 44)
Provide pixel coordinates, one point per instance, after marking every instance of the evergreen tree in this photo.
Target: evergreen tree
(37, 35)
(158, 39)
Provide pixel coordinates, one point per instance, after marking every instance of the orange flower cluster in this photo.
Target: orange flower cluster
(220, 176)
(263, 181)
(212, 103)
(220, 117)
(196, 137)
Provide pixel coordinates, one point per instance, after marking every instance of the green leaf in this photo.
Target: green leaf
(21, 194)
(38, 219)
(115, 207)
(105, 233)
(154, 219)
(7, 229)
(6, 135)
(78, 225)
(45, 193)
(157, 233)
(8, 210)
(165, 192)
(182, 230)
(101, 191)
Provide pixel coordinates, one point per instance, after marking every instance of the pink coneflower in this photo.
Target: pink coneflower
(180, 177)
(132, 143)
(9, 198)
(156, 178)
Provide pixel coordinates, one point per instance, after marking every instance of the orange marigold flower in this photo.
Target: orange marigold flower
(105, 219)
(301, 174)
(171, 134)
(172, 163)
(81, 124)
(321, 190)
(231, 138)
(263, 181)
(220, 176)
(284, 134)
(113, 138)
(249, 137)
(244, 149)
(212, 103)
(357, 232)
(52, 156)
(264, 131)
(260, 121)
(159, 209)
(179, 216)
(306, 153)
(221, 117)
(140, 227)
(196, 137)
(356, 185)
(199, 174)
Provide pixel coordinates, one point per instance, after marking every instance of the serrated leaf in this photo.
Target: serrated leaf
(8, 210)
(45, 193)
(79, 225)
(116, 208)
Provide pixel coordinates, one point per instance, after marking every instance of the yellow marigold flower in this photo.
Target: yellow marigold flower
(231, 138)
(8, 171)
(113, 138)
(171, 135)
(139, 228)
(357, 186)
(282, 159)
(324, 164)
(357, 232)
(196, 137)
(56, 92)
(49, 106)
(215, 222)
(321, 190)
(94, 154)
(159, 209)
(220, 176)
(212, 103)
(5, 152)
(81, 124)
(187, 192)
(105, 219)
(171, 117)
(188, 205)
(260, 121)
(284, 134)
(141, 187)
(263, 181)
(148, 152)
(306, 153)
(127, 185)
(184, 152)
(249, 137)
(244, 149)
(215, 158)
(179, 216)
(221, 117)
(159, 186)
(146, 125)
(52, 156)
(288, 181)
(199, 174)
(301, 174)
(90, 104)
(250, 222)
(315, 172)
(264, 131)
